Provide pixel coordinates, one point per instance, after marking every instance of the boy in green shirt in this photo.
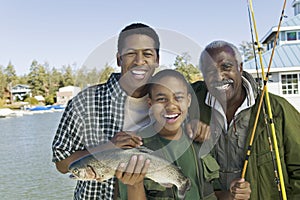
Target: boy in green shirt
(169, 101)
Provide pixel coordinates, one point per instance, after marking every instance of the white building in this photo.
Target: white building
(66, 93)
(20, 92)
(284, 78)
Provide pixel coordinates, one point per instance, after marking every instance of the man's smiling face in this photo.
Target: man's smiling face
(222, 74)
(138, 60)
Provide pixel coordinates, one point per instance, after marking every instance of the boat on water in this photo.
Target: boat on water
(47, 108)
(39, 108)
(7, 112)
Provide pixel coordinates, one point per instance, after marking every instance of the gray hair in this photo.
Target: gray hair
(220, 44)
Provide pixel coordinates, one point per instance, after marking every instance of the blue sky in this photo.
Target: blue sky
(66, 32)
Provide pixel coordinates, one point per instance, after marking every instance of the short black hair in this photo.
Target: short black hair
(167, 73)
(138, 28)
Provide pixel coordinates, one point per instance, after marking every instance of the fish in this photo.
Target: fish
(102, 166)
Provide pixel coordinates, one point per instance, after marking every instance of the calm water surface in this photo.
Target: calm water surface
(26, 169)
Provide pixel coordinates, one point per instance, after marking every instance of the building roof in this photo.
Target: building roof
(285, 56)
(39, 98)
(22, 86)
(292, 23)
(69, 89)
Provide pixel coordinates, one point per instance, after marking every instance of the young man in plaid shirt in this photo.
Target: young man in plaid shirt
(95, 118)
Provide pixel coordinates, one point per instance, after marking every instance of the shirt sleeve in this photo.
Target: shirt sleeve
(69, 135)
(291, 127)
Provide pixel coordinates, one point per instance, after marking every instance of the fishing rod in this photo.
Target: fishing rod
(280, 181)
(277, 180)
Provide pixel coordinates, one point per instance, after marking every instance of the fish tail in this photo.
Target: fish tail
(183, 188)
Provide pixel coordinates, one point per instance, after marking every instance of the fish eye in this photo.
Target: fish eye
(75, 171)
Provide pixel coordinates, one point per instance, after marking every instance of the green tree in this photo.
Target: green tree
(31, 101)
(10, 74)
(3, 82)
(246, 49)
(49, 100)
(86, 77)
(80, 78)
(92, 77)
(55, 80)
(37, 79)
(183, 65)
(105, 73)
(23, 79)
(68, 78)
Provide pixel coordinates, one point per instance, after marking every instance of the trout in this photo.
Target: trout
(102, 165)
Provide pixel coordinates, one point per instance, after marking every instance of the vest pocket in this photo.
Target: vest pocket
(210, 168)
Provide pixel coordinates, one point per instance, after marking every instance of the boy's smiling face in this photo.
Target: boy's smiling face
(169, 103)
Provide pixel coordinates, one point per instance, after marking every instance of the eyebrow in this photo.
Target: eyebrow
(163, 94)
(180, 92)
(228, 62)
(160, 94)
(133, 49)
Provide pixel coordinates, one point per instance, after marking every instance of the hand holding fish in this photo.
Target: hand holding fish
(126, 139)
(135, 170)
(104, 165)
(133, 175)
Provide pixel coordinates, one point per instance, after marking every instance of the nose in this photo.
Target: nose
(219, 75)
(172, 104)
(139, 59)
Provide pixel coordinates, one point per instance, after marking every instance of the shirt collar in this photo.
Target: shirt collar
(114, 87)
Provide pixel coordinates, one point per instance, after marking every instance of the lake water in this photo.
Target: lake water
(26, 169)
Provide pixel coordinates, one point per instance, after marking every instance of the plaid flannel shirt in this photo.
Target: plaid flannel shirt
(91, 118)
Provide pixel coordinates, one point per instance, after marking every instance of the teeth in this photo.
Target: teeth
(223, 87)
(138, 72)
(171, 116)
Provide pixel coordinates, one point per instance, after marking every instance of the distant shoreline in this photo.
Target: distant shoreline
(7, 112)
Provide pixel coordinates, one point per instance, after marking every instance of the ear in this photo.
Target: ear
(149, 102)
(119, 60)
(157, 60)
(241, 68)
(189, 98)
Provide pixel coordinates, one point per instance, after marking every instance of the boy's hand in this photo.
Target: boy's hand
(126, 139)
(135, 170)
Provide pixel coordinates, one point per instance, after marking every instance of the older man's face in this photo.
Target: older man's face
(222, 74)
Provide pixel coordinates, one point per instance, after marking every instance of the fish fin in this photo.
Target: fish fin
(144, 149)
(167, 185)
(184, 187)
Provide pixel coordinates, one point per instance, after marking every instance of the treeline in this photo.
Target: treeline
(46, 81)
